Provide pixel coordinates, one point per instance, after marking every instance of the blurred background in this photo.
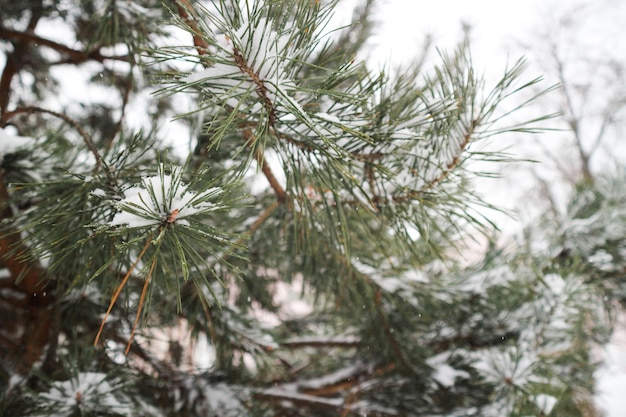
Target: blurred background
(578, 46)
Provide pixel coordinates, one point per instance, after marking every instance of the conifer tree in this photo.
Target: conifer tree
(235, 216)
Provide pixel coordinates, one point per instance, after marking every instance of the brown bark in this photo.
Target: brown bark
(184, 9)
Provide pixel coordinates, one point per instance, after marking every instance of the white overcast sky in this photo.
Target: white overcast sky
(495, 23)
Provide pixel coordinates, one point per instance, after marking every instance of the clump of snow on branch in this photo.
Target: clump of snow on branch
(593, 226)
(250, 60)
(443, 373)
(12, 143)
(131, 11)
(163, 198)
(404, 284)
(86, 393)
(512, 369)
(550, 321)
(209, 398)
(545, 403)
(481, 281)
(508, 367)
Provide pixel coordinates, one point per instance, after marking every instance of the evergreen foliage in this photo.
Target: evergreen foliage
(238, 217)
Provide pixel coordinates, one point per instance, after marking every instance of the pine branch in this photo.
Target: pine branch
(184, 9)
(375, 169)
(348, 382)
(456, 160)
(400, 356)
(320, 342)
(14, 64)
(261, 89)
(119, 289)
(86, 138)
(281, 195)
(262, 218)
(318, 398)
(74, 56)
(277, 395)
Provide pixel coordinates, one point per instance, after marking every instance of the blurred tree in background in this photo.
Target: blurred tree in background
(215, 209)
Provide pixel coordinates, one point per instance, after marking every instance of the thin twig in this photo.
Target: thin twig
(573, 119)
(387, 329)
(142, 298)
(467, 138)
(263, 217)
(318, 398)
(251, 140)
(86, 138)
(14, 64)
(261, 88)
(320, 342)
(184, 7)
(76, 56)
(281, 195)
(117, 292)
